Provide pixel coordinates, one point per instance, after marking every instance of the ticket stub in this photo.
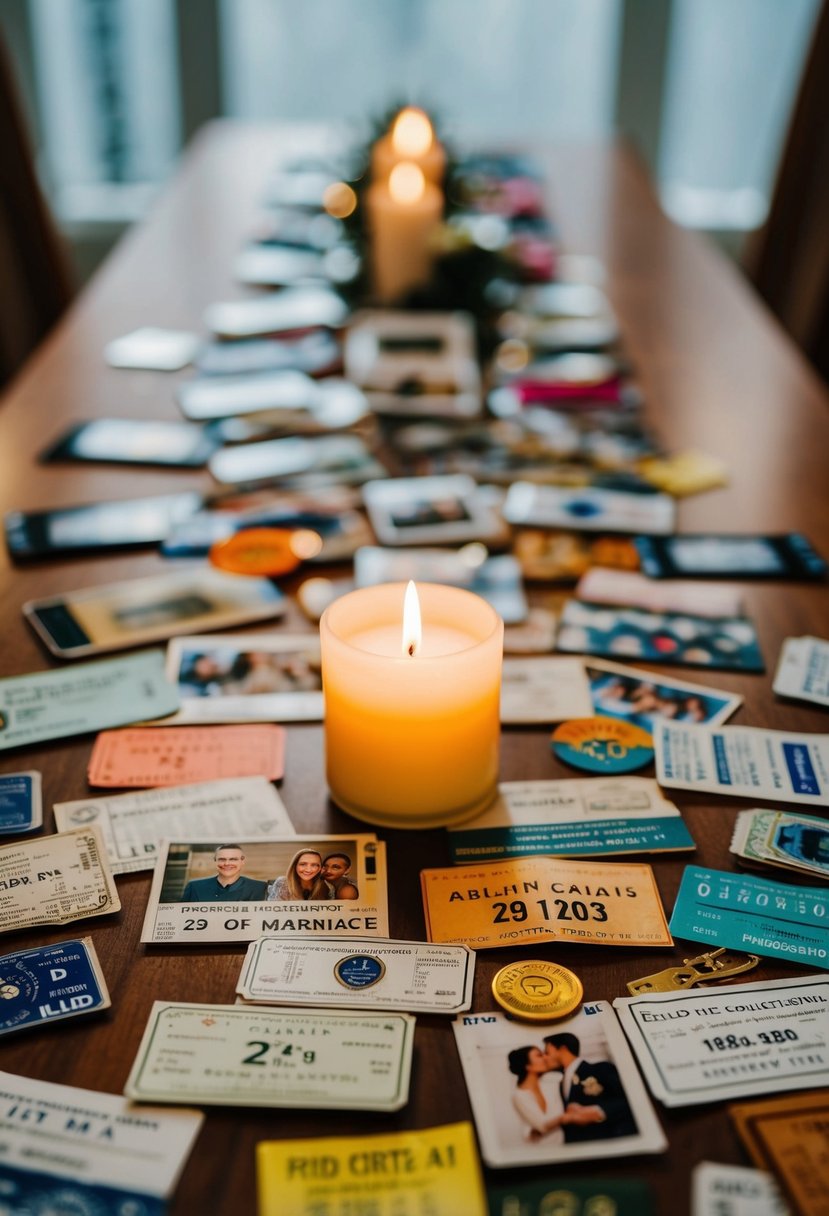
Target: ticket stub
(432, 1172)
(544, 690)
(229, 1055)
(743, 761)
(55, 880)
(217, 891)
(788, 1136)
(131, 825)
(159, 755)
(787, 839)
(747, 913)
(94, 1151)
(734, 1190)
(572, 818)
(109, 692)
(50, 982)
(21, 803)
(705, 1045)
(533, 899)
(358, 972)
(803, 670)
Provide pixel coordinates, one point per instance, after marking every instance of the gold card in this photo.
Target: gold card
(788, 1137)
(532, 899)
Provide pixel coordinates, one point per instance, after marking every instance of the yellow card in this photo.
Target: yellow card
(531, 899)
(434, 1172)
(684, 473)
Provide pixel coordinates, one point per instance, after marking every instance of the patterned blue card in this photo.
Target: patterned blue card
(753, 914)
(21, 806)
(49, 983)
(25, 1193)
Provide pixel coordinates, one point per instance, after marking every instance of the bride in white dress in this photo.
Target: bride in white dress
(537, 1095)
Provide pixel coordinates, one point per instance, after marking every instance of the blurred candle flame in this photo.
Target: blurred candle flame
(407, 184)
(412, 133)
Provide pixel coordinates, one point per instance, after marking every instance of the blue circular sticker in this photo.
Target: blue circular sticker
(602, 745)
(359, 970)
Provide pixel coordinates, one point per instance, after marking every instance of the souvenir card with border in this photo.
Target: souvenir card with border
(743, 762)
(742, 912)
(432, 1171)
(537, 899)
(47, 983)
(131, 825)
(287, 311)
(153, 348)
(359, 973)
(21, 803)
(539, 690)
(629, 589)
(734, 1190)
(95, 1152)
(588, 509)
(659, 637)
(263, 892)
(782, 838)
(594, 1102)
(297, 462)
(573, 818)
(732, 1041)
(233, 1055)
(111, 692)
(156, 755)
(55, 880)
(803, 670)
(431, 510)
(576, 1197)
(251, 677)
(641, 697)
(787, 1137)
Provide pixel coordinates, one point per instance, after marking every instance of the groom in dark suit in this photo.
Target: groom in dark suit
(594, 1100)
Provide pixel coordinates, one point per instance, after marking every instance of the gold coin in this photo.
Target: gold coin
(537, 991)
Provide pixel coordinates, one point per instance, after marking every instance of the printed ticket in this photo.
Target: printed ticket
(110, 692)
(55, 880)
(788, 1136)
(572, 818)
(217, 891)
(786, 839)
(358, 972)
(229, 1055)
(743, 761)
(47, 983)
(742, 912)
(544, 690)
(544, 899)
(594, 1101)
(131, 825)
(94, 1151)
(734, 1190)
(803, 670)
(432, 1172)
(159, 755)
(706, 1045)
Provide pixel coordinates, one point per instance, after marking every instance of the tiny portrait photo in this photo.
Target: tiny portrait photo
(293, 870)
(421, 513)
(424, 510)
(641, 698)
(246, 678)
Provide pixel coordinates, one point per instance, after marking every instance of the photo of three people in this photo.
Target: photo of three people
(309, 875)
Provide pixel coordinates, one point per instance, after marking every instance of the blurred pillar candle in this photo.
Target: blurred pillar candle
(412, 726)
(411, 138)
(402, 216)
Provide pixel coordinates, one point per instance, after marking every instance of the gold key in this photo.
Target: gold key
(712, 965)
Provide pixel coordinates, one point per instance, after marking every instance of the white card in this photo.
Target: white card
(358, 973)
(743, 1040)
(131, 825)
(92, 1138)
(153, 349)
(544, 690)
(734, 1190)
(803, 670)
(743, 761)
(595, 1102)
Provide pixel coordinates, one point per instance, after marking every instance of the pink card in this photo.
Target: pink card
(180, 755)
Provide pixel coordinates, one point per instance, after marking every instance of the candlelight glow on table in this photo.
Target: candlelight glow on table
(412, 720)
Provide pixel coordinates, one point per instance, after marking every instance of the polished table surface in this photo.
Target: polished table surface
(718, 375)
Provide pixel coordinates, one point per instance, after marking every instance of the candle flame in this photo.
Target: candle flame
(412, 133)
(412, 635)
(407, 183)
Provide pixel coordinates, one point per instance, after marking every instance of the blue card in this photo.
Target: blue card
(49, 983)
(25, 1193)
(745, 913)
(21, 805)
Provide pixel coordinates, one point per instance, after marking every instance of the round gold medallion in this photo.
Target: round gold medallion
(537, 991)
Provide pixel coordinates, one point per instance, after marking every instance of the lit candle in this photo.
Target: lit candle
(412, 722)
(402, 215)
(411, 138)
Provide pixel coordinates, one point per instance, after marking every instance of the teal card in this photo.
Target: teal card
(753, 914)
(572, 1197)
(89, 697)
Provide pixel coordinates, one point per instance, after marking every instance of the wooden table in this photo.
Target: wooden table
(718, 375)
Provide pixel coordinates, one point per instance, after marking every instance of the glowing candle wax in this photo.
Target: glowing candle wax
(412, 726)
(403, 214)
